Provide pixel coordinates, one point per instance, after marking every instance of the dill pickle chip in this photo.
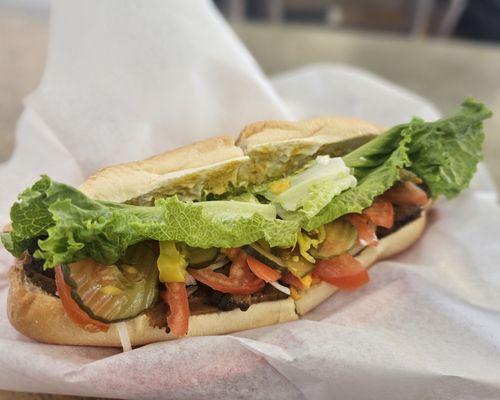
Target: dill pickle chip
(112, 293)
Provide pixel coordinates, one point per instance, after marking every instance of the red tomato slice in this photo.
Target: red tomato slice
(291, 280)
(343, 271)
(176, 298)
(365, 228)
(406, 194)
(381, 213)
(241, 280)
(73, 310)
(263, 271)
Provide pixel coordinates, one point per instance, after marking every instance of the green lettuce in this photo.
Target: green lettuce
(312, 188)
(66, 226)
(444, 154)
(69, 226)
(370, 185)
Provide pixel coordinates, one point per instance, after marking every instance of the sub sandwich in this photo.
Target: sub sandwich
(218, 236)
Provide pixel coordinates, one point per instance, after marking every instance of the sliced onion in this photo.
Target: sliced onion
(188, 278)
(281, 288)
(124, 336)
(218, 264)
(356, 249)
(191, 289)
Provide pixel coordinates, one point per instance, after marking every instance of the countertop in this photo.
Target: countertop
(443, 71)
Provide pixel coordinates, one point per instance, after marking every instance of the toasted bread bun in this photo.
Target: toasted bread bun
(185, 171)
(277, 147)
(268, 149)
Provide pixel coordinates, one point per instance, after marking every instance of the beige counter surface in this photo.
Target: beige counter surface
(444, 72)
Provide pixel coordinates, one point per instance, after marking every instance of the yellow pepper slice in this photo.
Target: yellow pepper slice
(171, 263)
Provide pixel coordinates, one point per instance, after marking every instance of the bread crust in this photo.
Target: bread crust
(41, 316)
(319, 130)
(293, 144)
(182, 168)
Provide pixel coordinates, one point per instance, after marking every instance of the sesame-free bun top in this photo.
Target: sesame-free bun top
(264, 150)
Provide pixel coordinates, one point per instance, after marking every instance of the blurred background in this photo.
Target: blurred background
(444, 50)
(474, 19)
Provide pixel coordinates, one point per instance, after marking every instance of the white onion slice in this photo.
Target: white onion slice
(363, 242)
(191, 290)
(218, 264)
(281, 288)
(189, 280)
(124, 336)
(356, 249)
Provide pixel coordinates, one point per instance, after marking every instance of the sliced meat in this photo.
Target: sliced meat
(228, 302)
(157, 315)
(403, 215)
(33, 269)
(269, 293)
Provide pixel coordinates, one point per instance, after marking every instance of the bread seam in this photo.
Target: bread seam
(201, 163)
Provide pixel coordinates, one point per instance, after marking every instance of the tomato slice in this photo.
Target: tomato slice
(263, 271)
(73, 310)
(176, 298)
(365, 228)
(241, 280)
(407, 193)
(344, 272)
(381, 213)
(291, 280)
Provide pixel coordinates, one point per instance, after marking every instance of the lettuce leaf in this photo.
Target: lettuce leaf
(444, 154)
(69, 226)
(370, 185)
(309, 190)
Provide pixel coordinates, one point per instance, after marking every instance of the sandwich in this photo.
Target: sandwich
(222, 236)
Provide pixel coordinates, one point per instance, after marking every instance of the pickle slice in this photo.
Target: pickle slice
(200, 258)
(340, 237)
(116, 292)
(299, 266)
(264, 255)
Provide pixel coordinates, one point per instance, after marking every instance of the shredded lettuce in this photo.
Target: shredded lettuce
(311, 189)
(370, 185)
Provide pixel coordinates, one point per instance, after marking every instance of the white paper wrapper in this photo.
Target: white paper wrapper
(426, 326)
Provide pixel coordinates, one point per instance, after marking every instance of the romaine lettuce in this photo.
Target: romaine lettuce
(70, 227)
(310, 190)
(444, 154)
